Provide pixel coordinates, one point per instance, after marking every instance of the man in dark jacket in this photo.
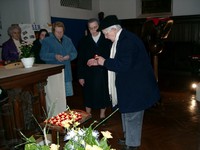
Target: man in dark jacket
(132, 84)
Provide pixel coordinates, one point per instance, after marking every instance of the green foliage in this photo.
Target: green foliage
(26, 50)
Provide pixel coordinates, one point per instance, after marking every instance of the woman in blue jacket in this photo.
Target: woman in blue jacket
(132, 84)
(59, 49)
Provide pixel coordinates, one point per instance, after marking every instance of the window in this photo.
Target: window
(83, 4)
(156, 7)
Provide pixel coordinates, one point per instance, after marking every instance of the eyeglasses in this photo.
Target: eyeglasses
(106, 31)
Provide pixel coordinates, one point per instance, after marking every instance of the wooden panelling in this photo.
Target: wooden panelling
(182, 42)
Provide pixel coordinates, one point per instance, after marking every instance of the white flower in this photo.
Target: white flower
(71, 147)
(106, 134)
(81, 132)
(94, 147)
(76, 138)
(54, 147)
(82, 142)
(95, 133)
(71, 134)
(76, 124)
(66, 123)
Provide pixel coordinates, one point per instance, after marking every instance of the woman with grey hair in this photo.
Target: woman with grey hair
(10, 48)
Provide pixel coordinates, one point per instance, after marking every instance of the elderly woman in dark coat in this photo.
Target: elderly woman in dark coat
(94, 79)
(10, 49)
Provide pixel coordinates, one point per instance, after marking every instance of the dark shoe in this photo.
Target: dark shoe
(122, 141)
(129, 148)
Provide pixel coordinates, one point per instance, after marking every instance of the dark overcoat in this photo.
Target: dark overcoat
(9, 51)
(136, 85)
(36, 51)
(95, 89)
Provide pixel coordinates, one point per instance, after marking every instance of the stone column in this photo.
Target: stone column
(40, 11)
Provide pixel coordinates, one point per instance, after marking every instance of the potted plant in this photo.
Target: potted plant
(27, 56)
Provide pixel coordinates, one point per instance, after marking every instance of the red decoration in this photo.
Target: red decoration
(157, 20)
(57, 120)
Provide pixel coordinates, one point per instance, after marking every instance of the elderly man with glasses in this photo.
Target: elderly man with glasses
(131, 80)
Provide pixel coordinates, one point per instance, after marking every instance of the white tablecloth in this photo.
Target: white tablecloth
(55, 94)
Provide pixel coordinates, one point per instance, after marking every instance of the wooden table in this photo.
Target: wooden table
(33, 80)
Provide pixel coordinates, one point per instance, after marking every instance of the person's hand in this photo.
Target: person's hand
(59, 57)
(100, 60)
(82, 82)
(66, 57)
(92, 62)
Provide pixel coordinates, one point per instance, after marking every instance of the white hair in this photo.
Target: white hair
(118, 27)
(114, 26)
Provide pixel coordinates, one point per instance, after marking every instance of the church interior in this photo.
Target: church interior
(173, 45)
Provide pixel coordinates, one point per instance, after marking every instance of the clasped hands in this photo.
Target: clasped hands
(61, 58)
(98, 60)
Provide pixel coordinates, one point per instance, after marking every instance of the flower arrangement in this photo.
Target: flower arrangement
(76, 138)
(84, 138)
(26, 50)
